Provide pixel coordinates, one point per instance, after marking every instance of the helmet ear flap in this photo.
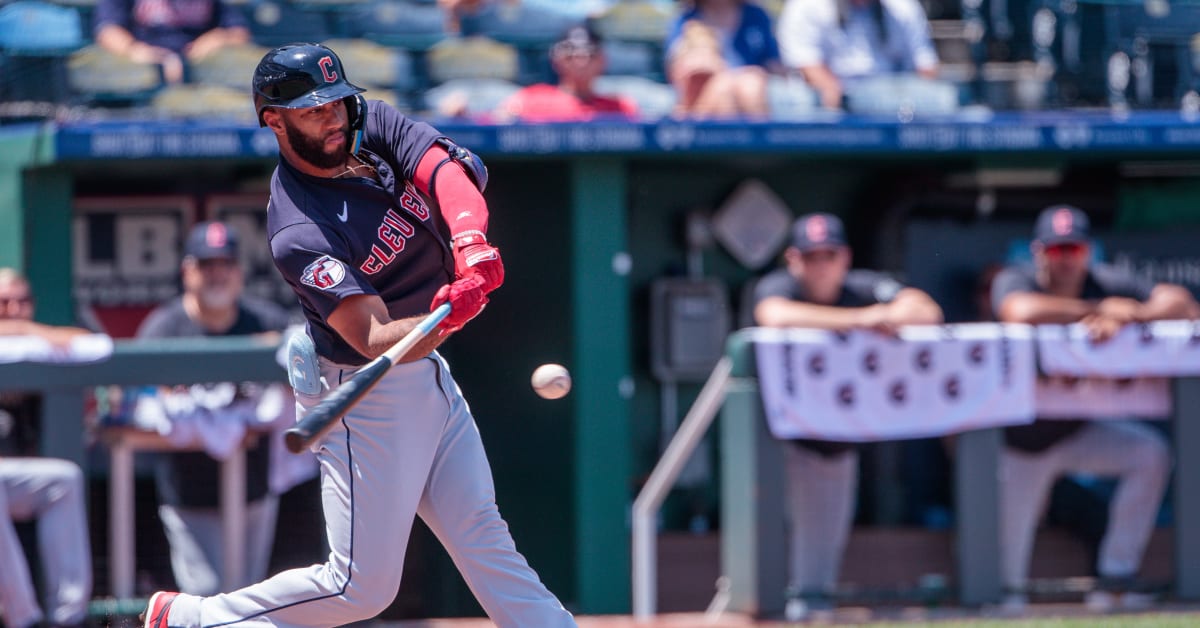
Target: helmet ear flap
(356, 113)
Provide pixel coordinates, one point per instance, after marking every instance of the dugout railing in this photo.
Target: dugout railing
(753, 560)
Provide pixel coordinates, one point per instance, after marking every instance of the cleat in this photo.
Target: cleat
(155, 615)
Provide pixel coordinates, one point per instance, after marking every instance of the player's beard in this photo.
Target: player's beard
(217, 298)
(312, 150)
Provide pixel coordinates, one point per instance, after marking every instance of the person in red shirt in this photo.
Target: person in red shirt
(578, 59)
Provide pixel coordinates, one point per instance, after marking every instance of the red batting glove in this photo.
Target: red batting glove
(466, 297)
(472, 253)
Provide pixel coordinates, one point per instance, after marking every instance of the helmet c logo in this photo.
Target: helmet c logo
(326, 64)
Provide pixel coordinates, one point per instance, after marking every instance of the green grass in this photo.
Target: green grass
(1155, 620)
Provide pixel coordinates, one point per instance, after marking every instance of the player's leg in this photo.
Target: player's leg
(51, 491)
(459, 506)
(18, 600)
(1138, 456)
(373, 471)
(1025, 481)
(820, 493)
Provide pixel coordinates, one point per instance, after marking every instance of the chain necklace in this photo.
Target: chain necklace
(352, 171)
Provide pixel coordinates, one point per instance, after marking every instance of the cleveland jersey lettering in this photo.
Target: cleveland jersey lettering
(393, 233)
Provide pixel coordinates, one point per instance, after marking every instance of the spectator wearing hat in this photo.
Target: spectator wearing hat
(578, 60)
(836, 43)
(1063, 285)
(816, 288)
(719, 56)
(212, 304)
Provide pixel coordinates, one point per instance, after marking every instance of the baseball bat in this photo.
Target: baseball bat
(318, 421)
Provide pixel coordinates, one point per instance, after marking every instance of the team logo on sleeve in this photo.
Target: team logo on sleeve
(324, 273)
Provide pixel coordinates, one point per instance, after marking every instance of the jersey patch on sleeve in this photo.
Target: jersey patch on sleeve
(324, 273)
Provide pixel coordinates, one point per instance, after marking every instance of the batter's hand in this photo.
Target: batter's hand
(472, 253)
(466, 297)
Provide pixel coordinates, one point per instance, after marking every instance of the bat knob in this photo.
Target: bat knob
(294, 439)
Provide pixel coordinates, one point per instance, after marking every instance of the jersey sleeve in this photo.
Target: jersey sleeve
(397, 138)
(111, 12)
(1010, 280)
(1119, 283)
(775, 284)
(316, 266)
(872, 286)
(230, 16)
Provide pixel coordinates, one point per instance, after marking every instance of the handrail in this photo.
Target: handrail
(662, 478)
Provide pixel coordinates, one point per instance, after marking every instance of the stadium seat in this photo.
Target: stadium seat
(654, 100)
(35, 38)
(371, 65)
(1156, 36)
(519, 24)
(636, 21)
(203, 101)
(231, 66)
(39, 29)
(408, 25)
(634, 58)
(892, 95)
(473, 98)
(102, 77)
(790, 98)
(471, 58)
(277, 22)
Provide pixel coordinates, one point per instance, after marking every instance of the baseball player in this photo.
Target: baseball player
(49, 490)
(817, 289)
(1063, 286)
(375, 219)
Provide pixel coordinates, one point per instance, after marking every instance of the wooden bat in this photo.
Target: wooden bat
(320, 419)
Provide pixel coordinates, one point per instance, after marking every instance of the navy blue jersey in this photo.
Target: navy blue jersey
(335, 238)
(860, 288)
(1103, 280)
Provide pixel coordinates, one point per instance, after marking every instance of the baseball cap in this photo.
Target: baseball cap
(1060, 224)
(210, 240)
(818, 231)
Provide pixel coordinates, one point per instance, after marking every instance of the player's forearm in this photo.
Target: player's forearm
(913, 307)
(1167, 302)
(780, 312)
(1034, 308)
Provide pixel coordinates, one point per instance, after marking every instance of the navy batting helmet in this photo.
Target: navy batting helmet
(297, 76)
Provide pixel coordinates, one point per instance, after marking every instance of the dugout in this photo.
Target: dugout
(588, 217)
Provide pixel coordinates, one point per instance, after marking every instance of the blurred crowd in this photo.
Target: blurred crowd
(538, 60)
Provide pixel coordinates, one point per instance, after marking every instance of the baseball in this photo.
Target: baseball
(551, 381)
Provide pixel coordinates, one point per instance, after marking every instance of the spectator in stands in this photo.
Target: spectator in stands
(817, 289)
(834, 43)
(1063, 286)
(719, 54)
(456, 11)
(31, 487)
(578, 60)
(168, 32)
(212, 304)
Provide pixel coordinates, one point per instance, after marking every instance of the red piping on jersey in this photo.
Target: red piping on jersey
(461, 203)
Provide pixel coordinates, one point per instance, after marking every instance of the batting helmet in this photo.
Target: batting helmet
(297, 76)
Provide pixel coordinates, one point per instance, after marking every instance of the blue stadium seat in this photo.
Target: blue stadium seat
(35, 28)
(654, 100)
(470, 97)
(1156, 36)
(634, 58)
(790, 98)
(901, 94)
(414, 27)
(519, 24)
(35, 38)
(277, 22)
